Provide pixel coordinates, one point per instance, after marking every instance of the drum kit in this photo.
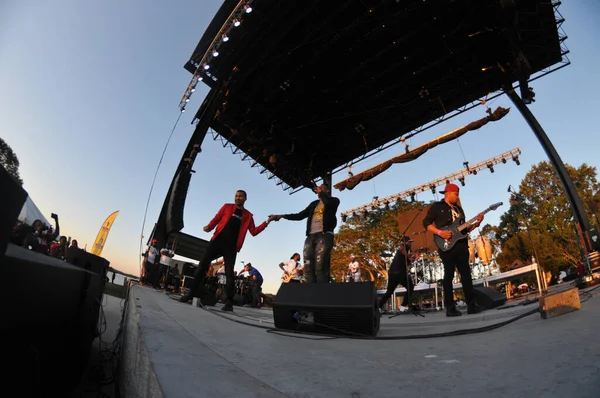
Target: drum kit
(425, 267)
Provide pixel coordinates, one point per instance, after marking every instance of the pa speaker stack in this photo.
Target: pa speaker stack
(348, 309)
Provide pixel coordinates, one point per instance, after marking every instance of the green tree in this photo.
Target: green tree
(9, 160)
(540, 218)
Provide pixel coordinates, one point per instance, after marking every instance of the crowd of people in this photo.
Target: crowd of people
(43, 238)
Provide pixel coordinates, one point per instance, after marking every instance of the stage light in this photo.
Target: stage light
(225, 38)
(387, 204)
(182, 110)
(344, 217)
(516, 159)
(216, 54)
(504, 160)
(462, 181)
(491, 167)
(413, 196)
(187, 100)
(432, 189)
(474, 172)
(192, 90)
(248, 9)
(206, 66)
(236, 23)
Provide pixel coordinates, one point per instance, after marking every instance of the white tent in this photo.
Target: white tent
(30, 213)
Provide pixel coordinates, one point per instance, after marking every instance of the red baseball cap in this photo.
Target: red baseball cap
(450, 188)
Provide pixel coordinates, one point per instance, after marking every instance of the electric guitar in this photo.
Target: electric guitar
(285, 278)
(457, 230)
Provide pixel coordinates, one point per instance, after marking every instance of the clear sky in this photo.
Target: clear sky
(89, 93)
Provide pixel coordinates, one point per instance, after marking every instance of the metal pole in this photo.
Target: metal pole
(559, 167)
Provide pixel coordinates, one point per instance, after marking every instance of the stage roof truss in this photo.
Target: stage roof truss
(281, 95)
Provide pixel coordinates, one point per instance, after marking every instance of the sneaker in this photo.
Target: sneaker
(474, 308)
(452, 311)
(227, 307)
(403, 308)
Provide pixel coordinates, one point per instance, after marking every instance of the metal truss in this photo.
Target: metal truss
(459, 176)
(245, 157)
(203, 65)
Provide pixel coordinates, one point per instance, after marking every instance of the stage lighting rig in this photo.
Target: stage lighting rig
(202, 65)
(411, 193)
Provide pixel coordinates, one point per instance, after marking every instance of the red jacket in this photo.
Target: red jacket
(222, 218)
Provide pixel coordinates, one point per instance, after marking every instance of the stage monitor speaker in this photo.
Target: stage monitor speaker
(348, 309)
(13, 198)
(88, 261)
(488, 298)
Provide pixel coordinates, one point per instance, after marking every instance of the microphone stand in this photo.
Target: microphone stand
(407, 270)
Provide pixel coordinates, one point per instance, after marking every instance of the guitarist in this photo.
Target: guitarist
(292, 268)
(442, 214)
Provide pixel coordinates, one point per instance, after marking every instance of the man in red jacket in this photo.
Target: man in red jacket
(233, 221)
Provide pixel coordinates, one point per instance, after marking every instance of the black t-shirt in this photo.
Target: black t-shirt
(399, 263)
(232, 230)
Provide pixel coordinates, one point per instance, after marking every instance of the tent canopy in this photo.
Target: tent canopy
(30, 212)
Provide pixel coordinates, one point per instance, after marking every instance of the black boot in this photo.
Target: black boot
(452, 311)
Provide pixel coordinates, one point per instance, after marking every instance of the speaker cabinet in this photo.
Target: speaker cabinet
(328, 308)
(488, 298)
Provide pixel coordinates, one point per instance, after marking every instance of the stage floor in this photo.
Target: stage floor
(177, 350)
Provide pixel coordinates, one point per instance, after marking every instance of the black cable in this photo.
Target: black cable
(352, 335)
(152, 187)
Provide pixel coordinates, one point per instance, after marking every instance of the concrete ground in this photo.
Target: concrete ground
(177, 350)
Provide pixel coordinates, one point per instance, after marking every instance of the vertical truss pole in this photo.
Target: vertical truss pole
(559, 167)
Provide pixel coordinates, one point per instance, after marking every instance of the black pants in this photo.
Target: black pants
(157, 275)
(457, 258)
(216, 248)
(317, 257)
(256, 294)
(395, 279)
(148, 272)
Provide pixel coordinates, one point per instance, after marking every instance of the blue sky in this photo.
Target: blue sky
(90, 93)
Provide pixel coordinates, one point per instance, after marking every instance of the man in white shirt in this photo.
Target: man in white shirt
(292, 268)
(150, 262)
(354, 269)
(161, 269)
